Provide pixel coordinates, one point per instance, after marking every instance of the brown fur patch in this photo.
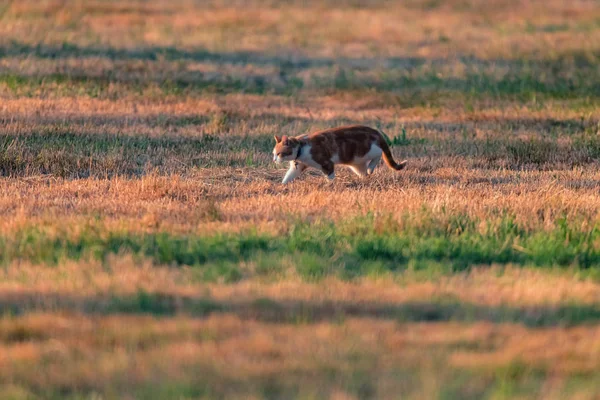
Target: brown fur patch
(348, 143)
(285, 146)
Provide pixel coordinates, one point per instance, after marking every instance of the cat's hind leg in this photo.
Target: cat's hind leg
(359, 169)
(373, 164)
(293, 172)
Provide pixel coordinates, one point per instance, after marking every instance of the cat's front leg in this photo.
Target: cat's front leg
(293, 172)
(328, 170)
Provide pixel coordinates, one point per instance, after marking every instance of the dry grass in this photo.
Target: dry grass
(128, 123)
(231, 357)
(204, 202)
(492, 287)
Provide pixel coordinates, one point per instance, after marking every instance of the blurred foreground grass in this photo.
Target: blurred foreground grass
(147, 249)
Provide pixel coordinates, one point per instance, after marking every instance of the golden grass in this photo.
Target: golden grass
(138, 117)
(504, 29)
(496, 286)
(231, 200)
(96, 353)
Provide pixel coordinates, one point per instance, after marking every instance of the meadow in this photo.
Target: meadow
(149, 250)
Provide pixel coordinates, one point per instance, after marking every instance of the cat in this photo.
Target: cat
(358, 147)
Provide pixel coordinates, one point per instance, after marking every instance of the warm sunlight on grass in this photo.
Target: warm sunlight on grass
(149, 250)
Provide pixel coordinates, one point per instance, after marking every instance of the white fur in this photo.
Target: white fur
(372, 165)
(361, 166)
(305, 154)
(292, 173)
(366, 164)
(359, 169)
(306, 157)
(374, 152)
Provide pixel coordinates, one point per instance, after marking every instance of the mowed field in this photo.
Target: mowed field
(149, 250)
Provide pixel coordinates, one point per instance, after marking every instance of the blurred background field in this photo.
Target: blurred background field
(148, 249)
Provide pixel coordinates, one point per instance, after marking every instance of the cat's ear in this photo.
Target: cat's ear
(284, 139)
(277, 138)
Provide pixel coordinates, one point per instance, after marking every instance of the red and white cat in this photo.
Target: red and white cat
(358, 147)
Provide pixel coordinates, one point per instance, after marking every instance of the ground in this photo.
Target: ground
(149, 250)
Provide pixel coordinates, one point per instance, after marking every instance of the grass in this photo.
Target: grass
(424, 83)
(356, 248)
(291, 312)
(61, 149)
(148, 249)
(355, 371)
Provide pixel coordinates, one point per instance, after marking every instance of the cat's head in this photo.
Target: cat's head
(286, 149)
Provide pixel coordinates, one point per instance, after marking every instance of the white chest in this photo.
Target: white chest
(306, 157)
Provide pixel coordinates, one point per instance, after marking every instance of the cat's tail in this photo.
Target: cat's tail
(388, 158)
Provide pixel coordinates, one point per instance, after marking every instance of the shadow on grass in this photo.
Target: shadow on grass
(153, 53)
(293, 311)
(59, 148)
(226, 122)
(411, 78)
(293, 59)
(170, 53)
(63, 153)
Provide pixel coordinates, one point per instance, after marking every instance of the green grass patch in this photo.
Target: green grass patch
(360, 247)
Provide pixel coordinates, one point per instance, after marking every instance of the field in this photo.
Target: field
(149, 250)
